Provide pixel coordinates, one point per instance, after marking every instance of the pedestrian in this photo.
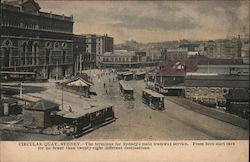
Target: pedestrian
(104, 85)
(70, 109)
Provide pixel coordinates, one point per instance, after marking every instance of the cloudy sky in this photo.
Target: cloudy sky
(152, 21)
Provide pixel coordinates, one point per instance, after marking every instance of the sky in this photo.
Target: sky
(154, 21)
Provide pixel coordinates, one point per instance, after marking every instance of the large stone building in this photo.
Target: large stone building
(35, 41)
(89, 48)
(174, 54)
(97, 45)
(225, 48)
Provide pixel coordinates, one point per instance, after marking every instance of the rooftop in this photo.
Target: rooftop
(153, 93)
(82, 112)
(42, 105)
(226, 81)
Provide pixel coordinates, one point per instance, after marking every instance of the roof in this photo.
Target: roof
(77, 81)
(225, 81)
(153, 93)
(82, 112)
(211, 61)
(128, 73)
(126, 86)
(140, 73)
(167, 67)
(31, 1)
(43, 105)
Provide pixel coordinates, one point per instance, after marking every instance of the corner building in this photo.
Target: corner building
(35, 41)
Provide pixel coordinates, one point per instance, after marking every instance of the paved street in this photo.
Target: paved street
(136, 121)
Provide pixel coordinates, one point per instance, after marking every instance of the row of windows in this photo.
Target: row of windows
(116, 59)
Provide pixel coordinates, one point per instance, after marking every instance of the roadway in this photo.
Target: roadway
(135, 120)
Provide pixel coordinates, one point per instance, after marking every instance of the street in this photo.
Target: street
(135, 120)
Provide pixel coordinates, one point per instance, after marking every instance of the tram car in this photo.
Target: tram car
(126, 90)
(128, 76)
(153, 99)
(78, 123)
(140, 75)
(120, 75)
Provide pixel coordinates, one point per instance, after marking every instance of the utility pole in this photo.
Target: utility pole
(62, 97)
(80, 63)
(57, 70)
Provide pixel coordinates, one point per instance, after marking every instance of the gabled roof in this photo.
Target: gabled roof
(168, 67)
(33, 3)
(78, 83)
(42, 105)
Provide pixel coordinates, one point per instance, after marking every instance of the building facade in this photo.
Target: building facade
(35, 41)
(174, 54)
(88, 49)
(97, 45)
(225, 48)
(211, 88)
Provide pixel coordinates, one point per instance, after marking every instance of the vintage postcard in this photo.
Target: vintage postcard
(124, 80)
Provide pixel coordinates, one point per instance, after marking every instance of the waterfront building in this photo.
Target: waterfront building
(35, 41)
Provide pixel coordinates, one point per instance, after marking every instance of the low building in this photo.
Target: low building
(38, 114)
(212, 88)
(170, 78)
(79, 85)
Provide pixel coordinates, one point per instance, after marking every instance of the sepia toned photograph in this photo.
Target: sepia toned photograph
(124, 70)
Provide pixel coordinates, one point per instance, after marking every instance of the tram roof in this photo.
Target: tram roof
(140, 73)
(126, 86)
(153, 93)
(78, 114)
(128, 73)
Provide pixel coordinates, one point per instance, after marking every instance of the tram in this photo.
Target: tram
(153, 99)
(126, 90)
(128, 76)
(78, 123)
(140, 75)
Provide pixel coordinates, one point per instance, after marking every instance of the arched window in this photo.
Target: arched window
(48, 44)
(23, 52)
(29, 47)
(35, 53)
(56, 45)
(7, 43)
(7, 52)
